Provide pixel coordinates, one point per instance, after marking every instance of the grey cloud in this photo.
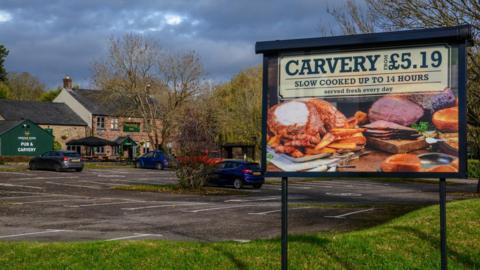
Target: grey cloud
(52, 38)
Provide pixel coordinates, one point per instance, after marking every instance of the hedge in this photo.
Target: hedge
(474, 168)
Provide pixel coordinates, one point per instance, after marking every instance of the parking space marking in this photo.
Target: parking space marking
(162, 205)
(351, 213)
(344, 194)
(219, 208)
(136, 235)
(101, 183)
(278, 210)
(102, 204)
(23, 186)
(110, 175)
(68, 185)
(17, 173)
(254, 200)
(32, 233)
(61, 200)
(46, 177)
(28, 196)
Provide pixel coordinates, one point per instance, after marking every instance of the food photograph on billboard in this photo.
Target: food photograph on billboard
(389, 110)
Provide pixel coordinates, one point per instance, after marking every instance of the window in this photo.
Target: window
(71, 154)
(99, 149)
(116, 149)
(100, 122)
(146, 147)
(75, 148)
(149, 155)
(230, 165)
(114, 124)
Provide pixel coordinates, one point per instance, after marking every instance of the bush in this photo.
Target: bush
(57, 146)
(4, 159)
(474, 168)
(193, 174)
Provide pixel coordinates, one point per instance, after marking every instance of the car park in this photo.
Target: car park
(152, 160)
(57, 161)
(237, 173)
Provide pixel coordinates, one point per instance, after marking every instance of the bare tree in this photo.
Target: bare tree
(181, 75)
(159, 84)
(128, 74)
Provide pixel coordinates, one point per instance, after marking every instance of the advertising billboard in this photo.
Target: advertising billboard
(367, 109)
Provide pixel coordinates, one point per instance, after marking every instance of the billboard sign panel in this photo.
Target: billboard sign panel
(366, 109)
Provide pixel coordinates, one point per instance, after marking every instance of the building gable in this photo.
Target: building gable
(66, 97)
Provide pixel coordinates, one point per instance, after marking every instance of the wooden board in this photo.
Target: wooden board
(396, 146)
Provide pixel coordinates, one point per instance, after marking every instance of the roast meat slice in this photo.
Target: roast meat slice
(382, 124)
(395, 109)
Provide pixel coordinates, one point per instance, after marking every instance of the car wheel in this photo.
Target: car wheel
(257, 186)
(159, 166)
(138, 164)
(32, 166)
(238, 184)
(79, 169)
(57, 167)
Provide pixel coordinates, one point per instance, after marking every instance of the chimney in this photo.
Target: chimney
(67, 82)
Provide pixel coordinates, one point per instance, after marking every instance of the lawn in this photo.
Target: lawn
(408, 242)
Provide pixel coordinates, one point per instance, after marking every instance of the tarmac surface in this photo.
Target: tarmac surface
(70, 206)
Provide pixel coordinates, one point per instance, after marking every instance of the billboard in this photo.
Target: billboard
(383, 109)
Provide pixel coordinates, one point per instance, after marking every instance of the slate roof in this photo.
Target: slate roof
(100, 103)
(91, 141)
(41, 113)
(7, 125)
(119, 140)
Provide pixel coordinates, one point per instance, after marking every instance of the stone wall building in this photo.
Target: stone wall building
(106, 119)
(56, 118)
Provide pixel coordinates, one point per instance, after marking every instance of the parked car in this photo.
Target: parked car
(237, 173)
(57, 161)
(152, 160)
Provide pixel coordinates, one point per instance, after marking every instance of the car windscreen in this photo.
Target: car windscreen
(71, 154)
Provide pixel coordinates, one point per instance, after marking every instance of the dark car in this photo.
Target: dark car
(237, 173)
(57, 161)
(152, 160)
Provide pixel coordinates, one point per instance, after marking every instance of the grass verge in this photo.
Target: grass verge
(108, 165)
(408, 242)
(174, 188)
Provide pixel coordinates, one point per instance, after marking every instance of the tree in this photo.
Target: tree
(239, 106)
(3, 55)
(128, 73)
(180, 74)
(50, 95)
(157, 83)
(4, 90)
(24, 86)
(197, 131)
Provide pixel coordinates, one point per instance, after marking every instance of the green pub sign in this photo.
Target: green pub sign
(24, 138)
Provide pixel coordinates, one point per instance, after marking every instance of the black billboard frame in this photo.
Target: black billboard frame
(457, 36)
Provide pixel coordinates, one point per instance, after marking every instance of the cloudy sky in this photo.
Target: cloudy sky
(57, 37)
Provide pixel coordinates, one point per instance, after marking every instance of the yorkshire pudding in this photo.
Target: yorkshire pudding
(446, 120)
(401, 163)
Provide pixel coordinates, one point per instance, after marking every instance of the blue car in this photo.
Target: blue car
(237, 173)
(152, 160)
